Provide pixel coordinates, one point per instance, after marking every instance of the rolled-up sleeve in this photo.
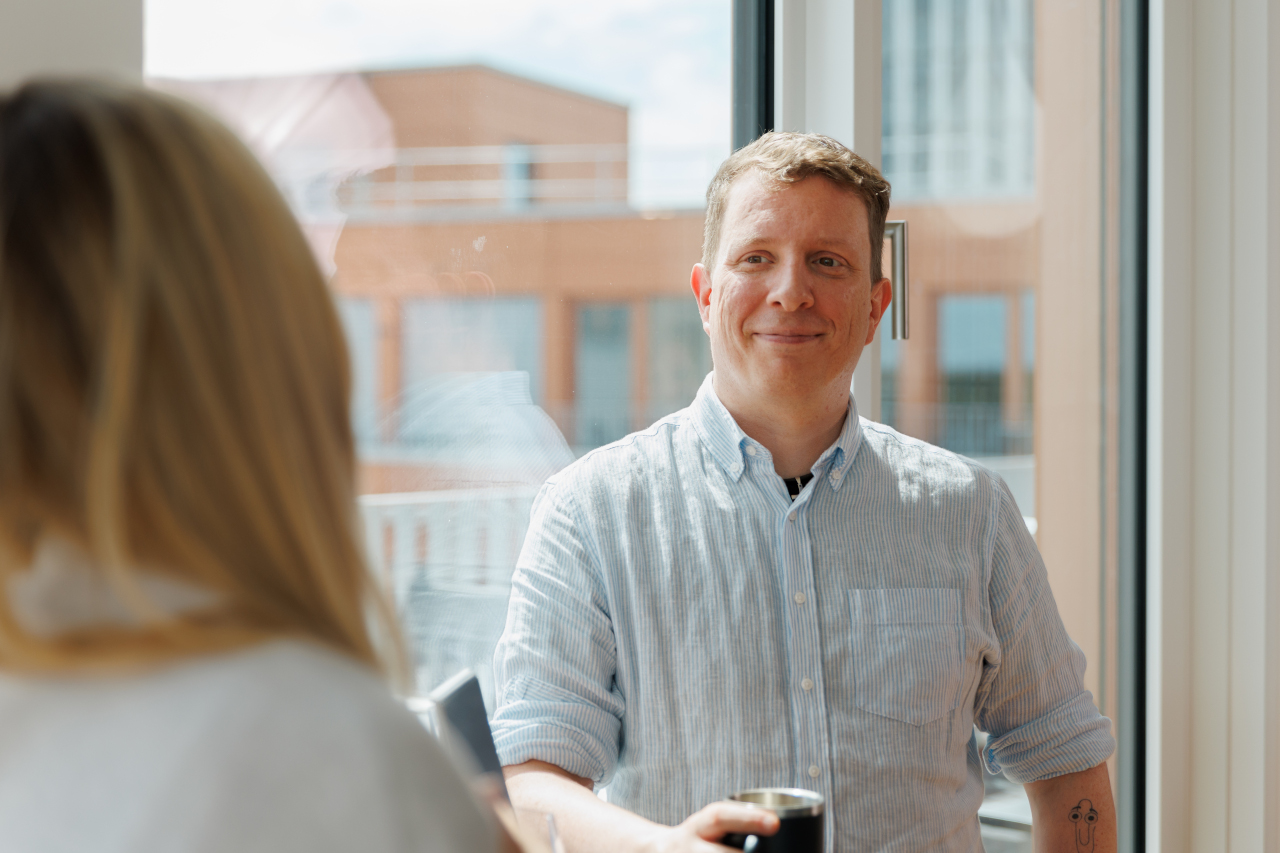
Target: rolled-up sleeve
(1032, 702)
(554, 668)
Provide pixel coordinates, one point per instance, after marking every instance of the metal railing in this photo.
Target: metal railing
(971, 429)
(448, 558)
(456, 541)
(505, 177)
(459, 182)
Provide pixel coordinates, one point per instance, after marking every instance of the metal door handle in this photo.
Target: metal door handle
(895, 231)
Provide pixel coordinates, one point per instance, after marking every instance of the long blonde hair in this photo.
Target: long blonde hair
(174, 384)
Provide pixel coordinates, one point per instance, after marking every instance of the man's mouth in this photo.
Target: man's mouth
(787, 336)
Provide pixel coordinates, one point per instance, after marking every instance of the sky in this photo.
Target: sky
(668, 60)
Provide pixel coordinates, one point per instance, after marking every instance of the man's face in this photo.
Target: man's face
(790, 303)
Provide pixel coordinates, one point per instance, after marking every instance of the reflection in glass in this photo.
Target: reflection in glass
(971, 359)
(603, 386)
(679, 354)
(444, 336)
(360, 326)
(957, 116)
(1000, 140)
(508, 199)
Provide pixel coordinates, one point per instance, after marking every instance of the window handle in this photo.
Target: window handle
(895, 231)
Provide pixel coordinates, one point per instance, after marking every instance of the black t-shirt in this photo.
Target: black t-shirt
(795, 484)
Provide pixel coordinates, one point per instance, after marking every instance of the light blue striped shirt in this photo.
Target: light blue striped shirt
(680, 629)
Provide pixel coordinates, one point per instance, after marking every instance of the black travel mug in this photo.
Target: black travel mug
(799, 821)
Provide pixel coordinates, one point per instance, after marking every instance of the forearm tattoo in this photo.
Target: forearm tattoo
(1085, 818)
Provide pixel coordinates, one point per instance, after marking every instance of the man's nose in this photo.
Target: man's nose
(792, 290)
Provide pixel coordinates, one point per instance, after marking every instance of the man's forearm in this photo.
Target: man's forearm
(1074, 813)
(586, 824)
(583, 820)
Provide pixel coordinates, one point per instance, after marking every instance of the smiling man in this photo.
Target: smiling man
(764, 589)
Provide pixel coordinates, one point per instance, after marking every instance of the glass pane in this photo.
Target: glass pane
(360, 325)
(999, 138)
(603, 377)
(679, 356)
(508, 197)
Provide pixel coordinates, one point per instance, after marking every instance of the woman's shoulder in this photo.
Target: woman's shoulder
(286, 746)
(329, 733)
(284, 692)
(305, 681)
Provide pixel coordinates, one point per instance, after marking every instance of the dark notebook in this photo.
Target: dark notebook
(461, 723)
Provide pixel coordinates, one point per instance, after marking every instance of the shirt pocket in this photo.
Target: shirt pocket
(907, 652)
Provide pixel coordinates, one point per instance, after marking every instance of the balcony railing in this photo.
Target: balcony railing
(456, 541)
(425, 183)
(443, 183)
(448, 557)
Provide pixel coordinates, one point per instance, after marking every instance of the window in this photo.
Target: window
(508, 197)
(1001, 137)
(603, 374)
(959, 98)
(360, 325)
(679, 356)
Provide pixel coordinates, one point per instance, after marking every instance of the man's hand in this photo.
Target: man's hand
(698, 831)
(1074, 813)
(587, 824)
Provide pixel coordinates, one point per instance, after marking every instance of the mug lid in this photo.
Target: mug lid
(784, 802)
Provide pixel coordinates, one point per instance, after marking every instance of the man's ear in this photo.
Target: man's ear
(881, 295)
(700, 281)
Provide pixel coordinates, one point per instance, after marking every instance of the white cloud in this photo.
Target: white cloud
(667, 59)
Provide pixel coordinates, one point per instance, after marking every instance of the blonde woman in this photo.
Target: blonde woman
(186, 658)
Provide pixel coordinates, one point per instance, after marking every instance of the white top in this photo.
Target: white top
(283, 747)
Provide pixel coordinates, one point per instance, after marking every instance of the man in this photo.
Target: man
(762, 590)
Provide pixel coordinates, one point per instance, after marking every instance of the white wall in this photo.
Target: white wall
(1214, 432)
(70, 37)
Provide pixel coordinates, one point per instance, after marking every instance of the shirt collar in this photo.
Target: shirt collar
(727, 442)
(839, 457)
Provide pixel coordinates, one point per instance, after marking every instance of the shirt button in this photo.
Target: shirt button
(814, 772)
(799, 597)
(807, 684)
(751, 451)
(791, 517)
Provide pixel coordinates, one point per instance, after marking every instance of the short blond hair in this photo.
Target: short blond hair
(174, 384)
(784, 157)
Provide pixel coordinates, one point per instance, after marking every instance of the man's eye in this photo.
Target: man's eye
(827, 262)
(755, 259)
